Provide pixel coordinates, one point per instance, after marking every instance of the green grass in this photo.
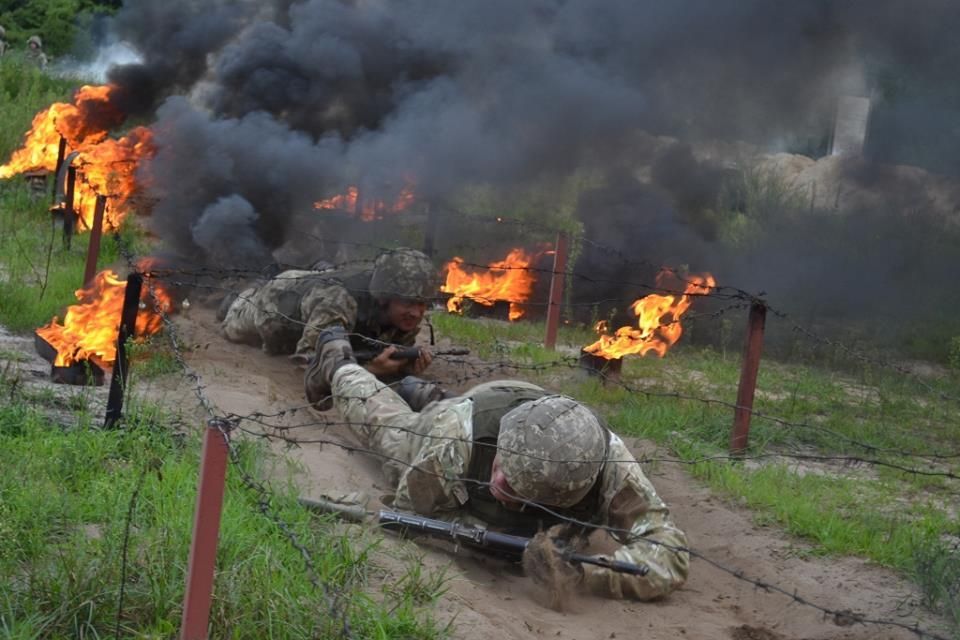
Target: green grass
(64, 498)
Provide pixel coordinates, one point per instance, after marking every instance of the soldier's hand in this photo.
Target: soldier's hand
(383, 366)
(418, 366)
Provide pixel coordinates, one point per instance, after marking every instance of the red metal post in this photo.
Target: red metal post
(556, 290)
(93, 249)
(206, 532)
(748, 378)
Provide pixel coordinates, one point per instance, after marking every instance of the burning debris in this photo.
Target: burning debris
(90, 328)
(658, 320)
(367, 209)
(507, 280)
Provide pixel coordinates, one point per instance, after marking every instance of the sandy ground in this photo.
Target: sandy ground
(489, 599)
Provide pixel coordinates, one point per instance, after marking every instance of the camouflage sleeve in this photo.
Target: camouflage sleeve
(432, 485)
(322, 306)
(653, 540)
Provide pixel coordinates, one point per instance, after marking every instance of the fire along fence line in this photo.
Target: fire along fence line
(734, 293)
(769, 587)
(743, 408)
(198, 593)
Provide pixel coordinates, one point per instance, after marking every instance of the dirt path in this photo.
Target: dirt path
(492, 600)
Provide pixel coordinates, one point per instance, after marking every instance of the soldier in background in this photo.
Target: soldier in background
(385, 303)
(519, 459)
(35, 52)
(3, 41)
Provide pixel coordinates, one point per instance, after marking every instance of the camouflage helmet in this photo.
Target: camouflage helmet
(551, 450)
(35, 40)
(403, 273)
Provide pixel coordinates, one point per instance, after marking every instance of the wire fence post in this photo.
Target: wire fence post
(61, 154)
(68, 213)
(748, 377)
(556, 290)
(93, 249)
(206, 531)
(121, 366)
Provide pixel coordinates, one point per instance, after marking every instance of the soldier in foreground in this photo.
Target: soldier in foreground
(517, 458)
(35, 52)
(385, 303)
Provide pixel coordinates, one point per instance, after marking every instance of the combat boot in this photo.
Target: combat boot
(418, 392)
(333, 351)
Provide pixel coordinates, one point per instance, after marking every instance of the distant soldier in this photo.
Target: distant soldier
(35, 52)
(3, 41)
(385, 303)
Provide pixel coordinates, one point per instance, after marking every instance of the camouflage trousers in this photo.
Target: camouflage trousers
(286, 314)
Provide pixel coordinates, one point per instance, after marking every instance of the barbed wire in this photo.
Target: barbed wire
(325, 423)
(628, 537)
(334, 604)
(264, 502)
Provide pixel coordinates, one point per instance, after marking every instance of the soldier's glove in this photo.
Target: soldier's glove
(544, 561)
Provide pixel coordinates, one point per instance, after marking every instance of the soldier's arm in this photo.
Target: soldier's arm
(432, 485)
(653, 540)
(324, 305)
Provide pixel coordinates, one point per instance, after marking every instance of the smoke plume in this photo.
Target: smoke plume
(286, 103)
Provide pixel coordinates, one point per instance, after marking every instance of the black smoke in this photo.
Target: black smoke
(285, 103)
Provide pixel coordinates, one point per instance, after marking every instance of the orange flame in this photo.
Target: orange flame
(367, 209)
(82, 123)
(509, 279)
(658, 322)
(90, 328)
(109, 169)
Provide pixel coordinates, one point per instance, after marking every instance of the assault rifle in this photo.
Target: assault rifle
(375, 348)
(498, 544)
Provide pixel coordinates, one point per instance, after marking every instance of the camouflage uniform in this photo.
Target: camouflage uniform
(286, 314)
(36, 54)
(431, 458)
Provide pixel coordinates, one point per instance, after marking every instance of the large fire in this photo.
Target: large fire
(106, 166)
(90, 328)
(367, 209)
(509, 279)
(658, 321)
(82, 123)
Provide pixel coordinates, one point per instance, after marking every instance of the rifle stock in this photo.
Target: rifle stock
(492, 542)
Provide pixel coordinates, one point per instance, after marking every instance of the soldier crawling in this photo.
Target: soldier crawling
(385, 303)
(517, 458)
